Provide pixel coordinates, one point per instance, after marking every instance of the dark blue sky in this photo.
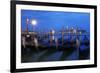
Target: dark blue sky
(47, 20)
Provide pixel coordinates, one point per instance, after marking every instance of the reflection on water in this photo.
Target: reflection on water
(54, 36)
(69, 50)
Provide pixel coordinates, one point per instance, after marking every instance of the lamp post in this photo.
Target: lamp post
(34, 23)
(35, 40)
(52, 32)
(27, 21)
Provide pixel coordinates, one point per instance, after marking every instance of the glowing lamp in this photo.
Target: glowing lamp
(34, 22)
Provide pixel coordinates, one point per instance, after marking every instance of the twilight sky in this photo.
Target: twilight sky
(47, 20)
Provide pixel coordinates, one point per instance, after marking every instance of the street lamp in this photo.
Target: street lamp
(34, 22)
(27, 21)
(35, 40)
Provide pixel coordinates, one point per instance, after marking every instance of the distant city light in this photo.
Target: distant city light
(75, 31)
(53, 31)
(34, 22)
(27, 20)
(67, 27)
